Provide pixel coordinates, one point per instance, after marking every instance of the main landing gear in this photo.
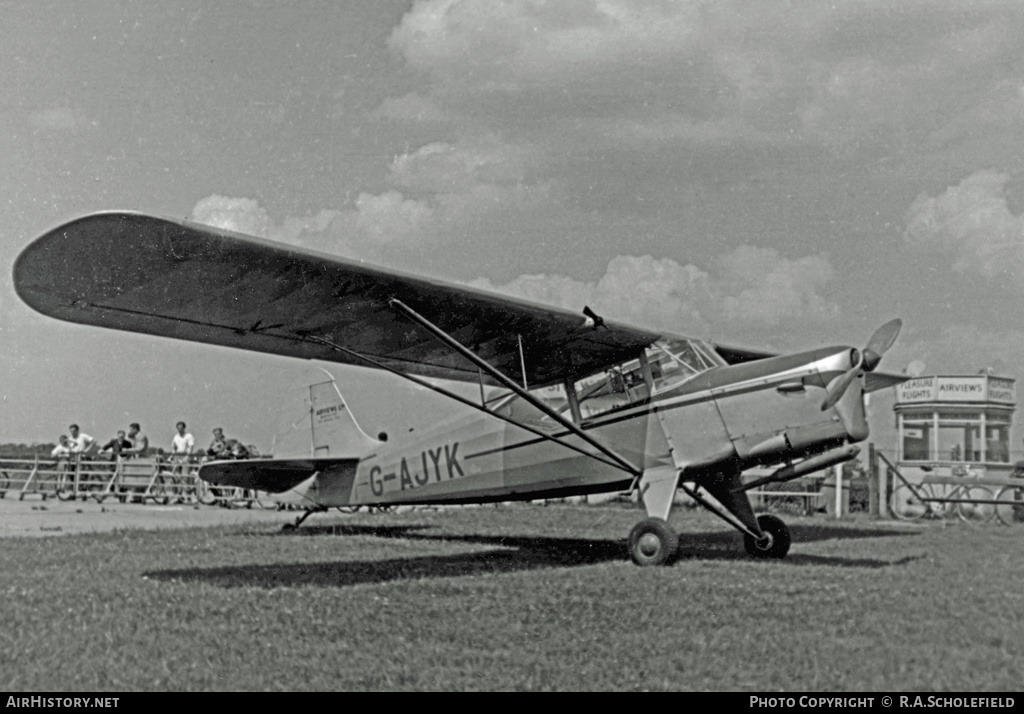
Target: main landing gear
(653, 542)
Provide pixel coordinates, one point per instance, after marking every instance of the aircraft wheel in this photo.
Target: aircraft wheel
(652, 542)
(777, 543)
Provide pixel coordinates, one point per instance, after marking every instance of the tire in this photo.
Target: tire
(976, 512)
(906, 505)
(158, 491)
(652, 542)
(779, 540)
(64, 485)
(205, 494)
(1011, 509)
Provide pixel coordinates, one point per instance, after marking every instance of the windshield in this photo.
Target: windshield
(676, 360)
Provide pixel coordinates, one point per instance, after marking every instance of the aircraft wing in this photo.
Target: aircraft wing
(129, 271)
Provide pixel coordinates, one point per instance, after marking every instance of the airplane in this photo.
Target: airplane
(570, 404)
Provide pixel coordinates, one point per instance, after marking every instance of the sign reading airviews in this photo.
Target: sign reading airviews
(981, 388)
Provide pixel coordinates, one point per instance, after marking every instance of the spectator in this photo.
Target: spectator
(63, 448)
(80, 443)
(222, 448)
(183, 442)
(219, 446)
(237, 449)
(117, 445)
(140, 442)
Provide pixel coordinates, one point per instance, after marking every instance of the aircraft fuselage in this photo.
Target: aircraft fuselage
(758, 413)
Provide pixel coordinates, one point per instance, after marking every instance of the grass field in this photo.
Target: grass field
(522, 597)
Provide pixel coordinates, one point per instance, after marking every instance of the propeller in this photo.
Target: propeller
(866, 360)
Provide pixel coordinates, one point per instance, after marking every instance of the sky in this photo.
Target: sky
(776, 175)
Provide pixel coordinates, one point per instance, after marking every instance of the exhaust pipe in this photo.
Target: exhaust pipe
(814, 463)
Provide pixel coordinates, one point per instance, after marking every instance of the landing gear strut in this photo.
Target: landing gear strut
(652, 542)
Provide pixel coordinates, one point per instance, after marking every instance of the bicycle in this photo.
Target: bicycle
(911, 502)
(1010, 510)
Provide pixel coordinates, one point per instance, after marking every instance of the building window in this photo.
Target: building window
(997, 444)
(917, 439)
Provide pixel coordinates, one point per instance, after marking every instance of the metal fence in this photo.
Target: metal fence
(158, 480)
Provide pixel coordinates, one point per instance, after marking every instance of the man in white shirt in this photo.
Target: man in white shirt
(79, 442)
(183, 442)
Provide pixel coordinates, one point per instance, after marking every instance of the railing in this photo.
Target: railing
(159, 480)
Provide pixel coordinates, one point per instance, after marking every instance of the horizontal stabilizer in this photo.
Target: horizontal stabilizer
(270, 475)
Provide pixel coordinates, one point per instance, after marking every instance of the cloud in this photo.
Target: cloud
(410, 107)
(961, 349)
(445, 168)
(389, 217)
(757, 286)
(364, 231)
(824, 74)
(973, 223)
(56, 119)
(635, 290)
(749, 289)
(241, 215)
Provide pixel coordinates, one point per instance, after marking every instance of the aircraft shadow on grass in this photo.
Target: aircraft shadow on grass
(507, 554)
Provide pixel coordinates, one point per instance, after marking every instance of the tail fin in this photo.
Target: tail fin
(335, 431)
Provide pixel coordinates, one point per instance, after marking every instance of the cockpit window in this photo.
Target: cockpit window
(672, 362)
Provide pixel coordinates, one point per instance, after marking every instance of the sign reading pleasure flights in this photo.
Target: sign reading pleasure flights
(980, 388)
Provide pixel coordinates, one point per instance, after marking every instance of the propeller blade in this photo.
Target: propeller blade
(882, 340)
(838, 387)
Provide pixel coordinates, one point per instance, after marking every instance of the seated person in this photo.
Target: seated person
(224, 448)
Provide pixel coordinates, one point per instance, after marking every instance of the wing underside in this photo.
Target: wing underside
(140, 273)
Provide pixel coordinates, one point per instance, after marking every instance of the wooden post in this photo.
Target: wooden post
(873, 501)
(839, 491)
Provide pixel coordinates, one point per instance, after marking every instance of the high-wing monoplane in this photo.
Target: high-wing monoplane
(569, 403)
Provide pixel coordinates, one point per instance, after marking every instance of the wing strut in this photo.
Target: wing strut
(462, 400)
(510, 384)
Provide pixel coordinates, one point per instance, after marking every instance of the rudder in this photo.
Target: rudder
(335, 431)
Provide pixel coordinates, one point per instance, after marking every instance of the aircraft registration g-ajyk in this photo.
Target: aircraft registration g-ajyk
(583, 406)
